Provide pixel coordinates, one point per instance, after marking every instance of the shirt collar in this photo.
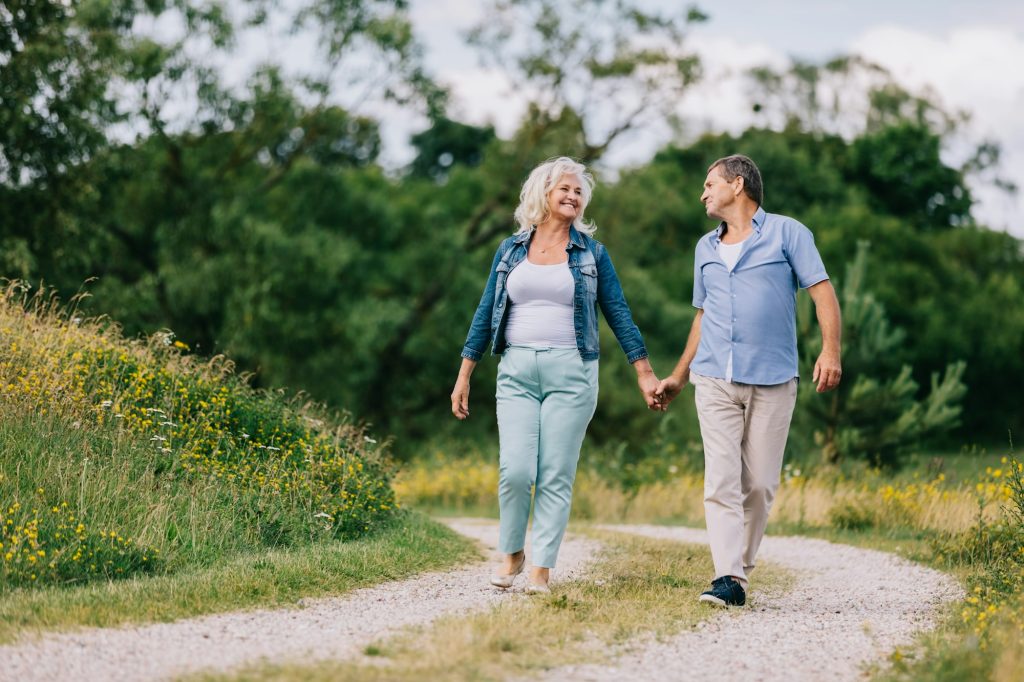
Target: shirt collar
(757, 222)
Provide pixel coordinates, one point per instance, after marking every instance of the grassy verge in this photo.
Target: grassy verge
(640, 587)
(125, 458)
(409, 544)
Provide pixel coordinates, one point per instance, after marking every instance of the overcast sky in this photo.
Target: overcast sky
(971, 54)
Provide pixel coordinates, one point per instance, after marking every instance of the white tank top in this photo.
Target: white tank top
(541, 312)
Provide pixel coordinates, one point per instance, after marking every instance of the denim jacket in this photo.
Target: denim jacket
(595, 284)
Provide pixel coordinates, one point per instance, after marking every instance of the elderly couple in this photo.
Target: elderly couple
(539, 309)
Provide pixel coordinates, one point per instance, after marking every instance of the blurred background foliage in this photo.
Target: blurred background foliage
(263, 225)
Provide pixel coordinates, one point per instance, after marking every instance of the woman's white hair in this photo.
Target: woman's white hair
(533, 199)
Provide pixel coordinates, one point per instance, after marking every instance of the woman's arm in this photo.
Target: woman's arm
(620, 319)
(460, 394)
(476, 342)
(616, 310)
(480, 328)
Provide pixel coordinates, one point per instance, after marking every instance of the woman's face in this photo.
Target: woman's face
(565, 200)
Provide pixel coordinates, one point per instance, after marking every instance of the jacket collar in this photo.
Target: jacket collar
(575, 237)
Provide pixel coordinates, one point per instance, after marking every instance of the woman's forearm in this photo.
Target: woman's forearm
(466, 370)
(643, 367)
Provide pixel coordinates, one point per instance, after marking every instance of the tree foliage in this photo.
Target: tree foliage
(613, 63)
(264, 226)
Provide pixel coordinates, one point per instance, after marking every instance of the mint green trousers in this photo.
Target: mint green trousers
(545, 401)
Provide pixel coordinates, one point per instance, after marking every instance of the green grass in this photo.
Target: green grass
(966, 464)
(410, 544)
(124, 458)
(639, 587)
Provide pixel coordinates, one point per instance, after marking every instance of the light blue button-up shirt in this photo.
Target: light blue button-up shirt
(751, 311)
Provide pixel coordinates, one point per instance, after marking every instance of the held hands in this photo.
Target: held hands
(460, 398)
(648, 383)
(827, 371)
(669, 388)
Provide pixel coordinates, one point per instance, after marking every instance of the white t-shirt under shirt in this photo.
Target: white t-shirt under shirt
(729, 253)
(541, 312)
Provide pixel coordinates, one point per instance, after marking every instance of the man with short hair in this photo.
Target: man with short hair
(741, 358)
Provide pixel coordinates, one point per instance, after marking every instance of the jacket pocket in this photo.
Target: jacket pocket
(588, 274)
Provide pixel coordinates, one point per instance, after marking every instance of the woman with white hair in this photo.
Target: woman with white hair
(539, 309)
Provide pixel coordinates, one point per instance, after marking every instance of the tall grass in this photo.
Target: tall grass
(120, 457)
(676, 493)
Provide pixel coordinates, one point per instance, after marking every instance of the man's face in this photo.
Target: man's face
(718, 194)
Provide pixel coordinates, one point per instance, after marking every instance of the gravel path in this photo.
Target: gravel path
(849, 607)
(335, 628)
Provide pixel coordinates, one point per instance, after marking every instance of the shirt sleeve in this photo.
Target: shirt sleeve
(699, 293)
(803, 256)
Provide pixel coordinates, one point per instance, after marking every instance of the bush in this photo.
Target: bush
(852, 515)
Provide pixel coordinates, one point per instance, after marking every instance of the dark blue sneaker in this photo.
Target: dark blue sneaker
(725, 591)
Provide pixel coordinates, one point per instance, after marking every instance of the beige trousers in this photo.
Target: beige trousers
(744, 429)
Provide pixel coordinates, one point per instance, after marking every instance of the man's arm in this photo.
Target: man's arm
(670, 386)
(828, 369)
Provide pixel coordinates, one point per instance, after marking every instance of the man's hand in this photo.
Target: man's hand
(669, 388)
(827, 371)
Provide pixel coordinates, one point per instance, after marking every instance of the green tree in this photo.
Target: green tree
(875, 414)
(62, 66)
(903, 175)
(447, 143)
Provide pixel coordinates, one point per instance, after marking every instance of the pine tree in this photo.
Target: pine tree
(876, 413)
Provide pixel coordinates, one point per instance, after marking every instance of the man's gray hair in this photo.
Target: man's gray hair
(742, 166)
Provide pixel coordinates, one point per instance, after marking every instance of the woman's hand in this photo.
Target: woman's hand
(460, 398)
(648, 383)
(460, 394)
